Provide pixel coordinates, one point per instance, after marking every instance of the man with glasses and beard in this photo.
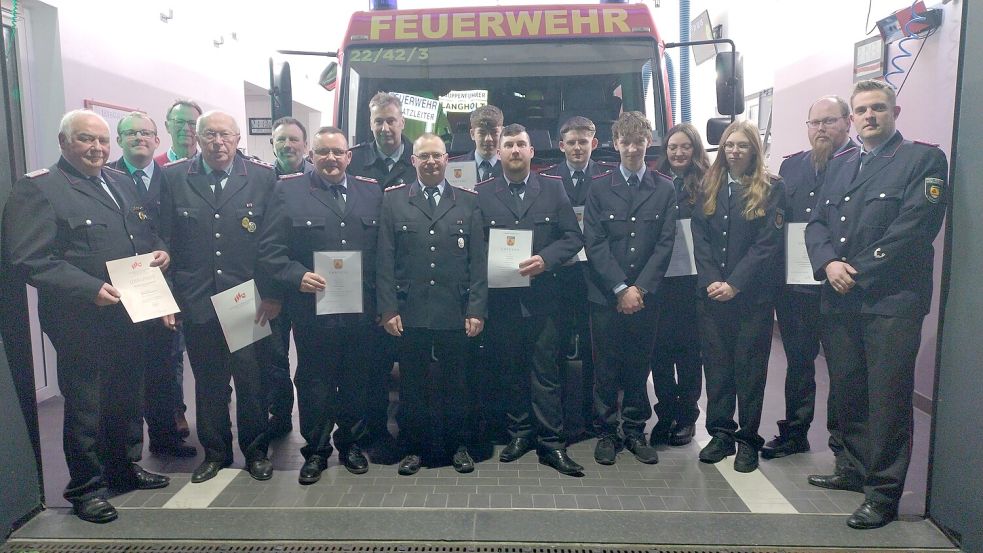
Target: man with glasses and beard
(797, 305)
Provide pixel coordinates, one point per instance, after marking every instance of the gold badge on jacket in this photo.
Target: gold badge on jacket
(141, 213)
(248, 225)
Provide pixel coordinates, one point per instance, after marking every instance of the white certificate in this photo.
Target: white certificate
(506, 248)
(462, 174)
(142, 288)
(682, 262)
(578, 210)
(343, 273)
(798, 270)
(236, 309)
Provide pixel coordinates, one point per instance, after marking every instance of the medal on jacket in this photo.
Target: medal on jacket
(248, 225)
(460, 242)
(141, 214)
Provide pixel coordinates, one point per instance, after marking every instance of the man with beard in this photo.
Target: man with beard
(325, 209)
(522, 338)
(797, 306)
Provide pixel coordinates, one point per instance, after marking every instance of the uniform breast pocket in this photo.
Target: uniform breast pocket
(306, 228)
(406, 232)
(186, 218)
(615, 222)
(370, 226)
(880, 209)
(86, 233)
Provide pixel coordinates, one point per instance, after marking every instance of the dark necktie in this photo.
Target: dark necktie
(389, 164)
(217, 175)
(633, 188)
(432, 192)
(138, 176)
(484, 170)
(678, 185)
(578, 178)
(112, 193)
(517, 188)
(338, 191)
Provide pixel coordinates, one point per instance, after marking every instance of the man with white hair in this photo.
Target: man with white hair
(212, 212)
(61, 225)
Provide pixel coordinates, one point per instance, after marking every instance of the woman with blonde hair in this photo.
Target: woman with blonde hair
(738, 241)
(677, 372)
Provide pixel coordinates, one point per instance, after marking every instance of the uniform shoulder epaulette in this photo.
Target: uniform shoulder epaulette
(360, 145)
(544, 169)
(37, 173)
(396, 187)
(794, 154)
(604, 174)
(486, 181)
(291, 176)
(113, 169)
(663, 175)
(607, 164)
(772, 177)
(367, 180)
(929, 144)
(556, 177)
(260, 162)
(175, 162)
(847, 151)
(462, 189)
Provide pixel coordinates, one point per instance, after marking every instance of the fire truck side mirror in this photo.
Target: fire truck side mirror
(281, 93)
(715, 129)
(730, 83)
(329, 77)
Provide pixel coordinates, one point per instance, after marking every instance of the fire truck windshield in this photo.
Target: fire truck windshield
(538, 84)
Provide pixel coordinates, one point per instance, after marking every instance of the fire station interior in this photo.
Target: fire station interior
(676, 505)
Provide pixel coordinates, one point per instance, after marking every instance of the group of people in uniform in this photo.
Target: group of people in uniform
(474, 358)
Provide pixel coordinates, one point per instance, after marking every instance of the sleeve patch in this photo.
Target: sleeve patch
(779, 218)
(933, 189)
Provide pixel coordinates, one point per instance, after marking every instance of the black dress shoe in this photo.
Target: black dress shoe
(746, 459)
(260, 469)
(607, 448)
(837, 482)
(871, 515)
(410, 465)
(717, 450)
(95, 509)
(310, 472)
(462, 461)
(783, 446)
(172, 448)
(682, 434)
(134, 477)
(207, 470)
(559, 460)
(516, 448)
(354, 460)
(641, 449)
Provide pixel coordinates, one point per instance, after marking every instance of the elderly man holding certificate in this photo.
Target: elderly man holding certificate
(320, 247)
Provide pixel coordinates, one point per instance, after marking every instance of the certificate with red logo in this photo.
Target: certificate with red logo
(236, 309)
(342, 271)
(143, 291)
(506, 249)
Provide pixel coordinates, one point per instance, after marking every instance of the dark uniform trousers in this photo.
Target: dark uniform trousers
(522, 338)
(367, 163)
(334, 352)
(163, 347)
(629, 236)
(573, 315)
(880, 216)
(59, 231)
(736, 334)
(677, 368)
(798, 311)
(214, 247)
(432, 272)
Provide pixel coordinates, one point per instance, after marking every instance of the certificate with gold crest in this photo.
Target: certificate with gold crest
(506, 249)
(343, 273)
